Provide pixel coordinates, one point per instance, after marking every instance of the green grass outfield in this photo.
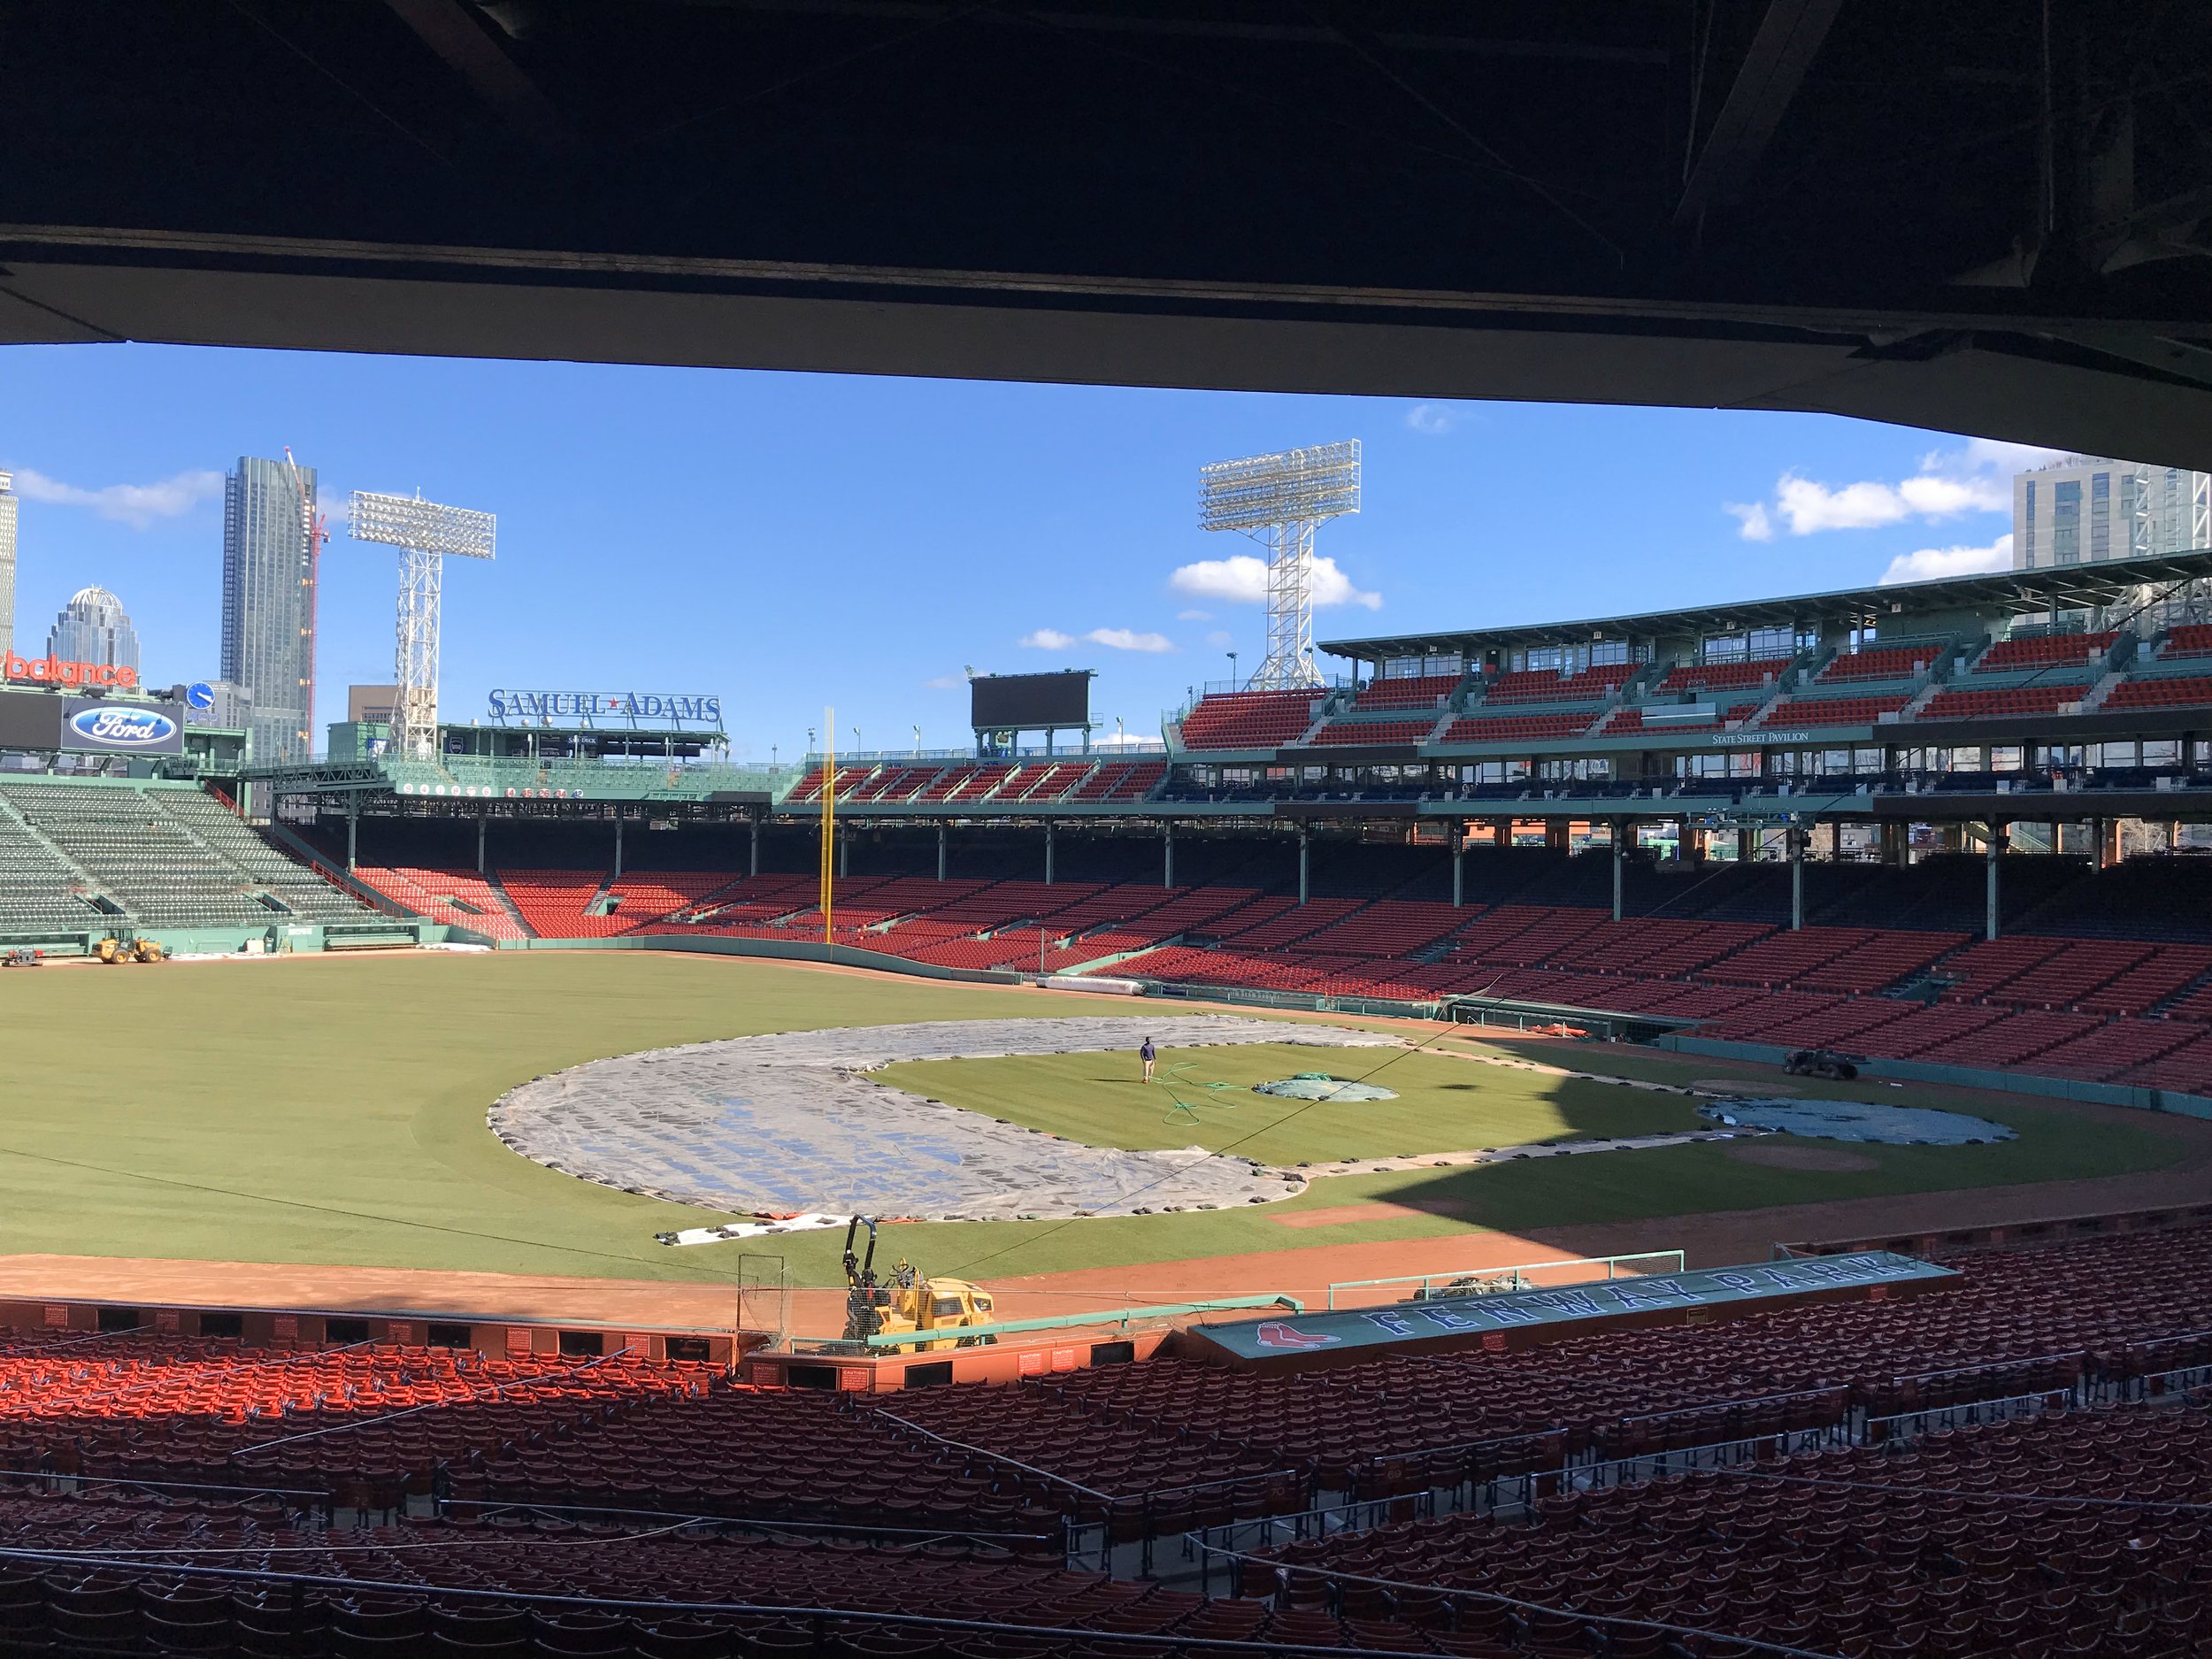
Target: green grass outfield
(1446, 1102)
(331, 1111)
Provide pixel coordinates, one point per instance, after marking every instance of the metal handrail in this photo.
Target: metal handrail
(1425, 1279)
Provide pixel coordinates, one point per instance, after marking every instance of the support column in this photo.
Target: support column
(844, 857)
(752, 860)
(1304, 849)
(1459, 863)
(1797, 839)
(1048, 851)
(1622, 830)
(1747, 846)
(353, 827)
(1501, 831)
(479, 846)
(1167, 842)
(943, 837)
(1835, 841)
(1558, 834)
(618, 843)
(1994, 844)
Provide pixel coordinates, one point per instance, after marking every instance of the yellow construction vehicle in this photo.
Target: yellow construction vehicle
(114, 950)
(908, 1300)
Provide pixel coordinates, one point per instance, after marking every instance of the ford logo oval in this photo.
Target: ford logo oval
(122, 728)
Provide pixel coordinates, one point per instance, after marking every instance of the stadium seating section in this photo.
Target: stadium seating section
(1416, 691)
(2177, 692)
(1539, 685)
(1897, 661)
(2044, 650)
(1524, 728)
(1394, 732)
(1724, 676)
(1831, 711)
(2012, 1464)
(84, 856)
(1247, 719)
(1971, 705)
(2192, 640)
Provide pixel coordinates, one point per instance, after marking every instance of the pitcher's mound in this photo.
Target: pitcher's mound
(1826, 1160)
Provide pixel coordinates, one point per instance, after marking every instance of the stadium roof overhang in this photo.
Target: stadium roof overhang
(2006, 593)
(1794, 204)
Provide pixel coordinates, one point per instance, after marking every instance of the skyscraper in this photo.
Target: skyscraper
(7, 562)
(2086, 509)
(269, 546)
(92, 628)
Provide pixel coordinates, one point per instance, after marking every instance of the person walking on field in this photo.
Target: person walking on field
(1145, 1053)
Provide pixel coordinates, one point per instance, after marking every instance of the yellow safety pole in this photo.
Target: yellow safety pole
(829, 819)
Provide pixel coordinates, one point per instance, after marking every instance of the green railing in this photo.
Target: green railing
(1119, 1318)
(1485, 1280)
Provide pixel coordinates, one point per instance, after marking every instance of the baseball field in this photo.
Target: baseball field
(331, 1113)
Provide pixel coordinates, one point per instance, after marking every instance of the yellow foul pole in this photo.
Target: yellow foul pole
(829, 819)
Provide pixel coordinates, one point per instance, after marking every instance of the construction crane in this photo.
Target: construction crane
(315, 529)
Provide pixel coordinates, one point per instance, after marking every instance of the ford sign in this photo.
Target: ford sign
(133, 728)
(122, 728)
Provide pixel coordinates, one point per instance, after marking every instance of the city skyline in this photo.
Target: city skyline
(790, 543)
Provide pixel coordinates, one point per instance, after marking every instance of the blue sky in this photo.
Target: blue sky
(791, 541)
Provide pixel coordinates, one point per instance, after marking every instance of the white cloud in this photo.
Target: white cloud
(1194, 616)
(945, 682)
(1932, 562)
(1241, 579)
(1115, 740)
(1996, 455)
(1977, 477)
(1757, 525)
(1127, 639)
(137, 505)
(1047, 640)
(1221, 639)
(1433, 419)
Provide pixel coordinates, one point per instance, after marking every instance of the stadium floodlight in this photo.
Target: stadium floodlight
(1279, 501)
(425, 531)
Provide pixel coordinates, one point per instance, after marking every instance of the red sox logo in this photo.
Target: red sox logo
(1275, 1333)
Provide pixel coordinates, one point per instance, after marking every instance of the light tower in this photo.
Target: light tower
(1279, 501)
(424, 532)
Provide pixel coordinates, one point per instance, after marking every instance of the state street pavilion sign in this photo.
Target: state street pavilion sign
(1488, 1320)
(615, 710)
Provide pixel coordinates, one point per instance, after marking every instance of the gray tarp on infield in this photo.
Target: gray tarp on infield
(784, 1123)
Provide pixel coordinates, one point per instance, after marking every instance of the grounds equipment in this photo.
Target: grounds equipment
(909, 1301)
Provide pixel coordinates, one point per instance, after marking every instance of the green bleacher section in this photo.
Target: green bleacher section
(77, 855)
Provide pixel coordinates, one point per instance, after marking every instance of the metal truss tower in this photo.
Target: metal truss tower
(425, 531)
(1279, 501)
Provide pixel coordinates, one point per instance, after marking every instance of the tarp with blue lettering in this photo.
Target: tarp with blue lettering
(1453, 1320)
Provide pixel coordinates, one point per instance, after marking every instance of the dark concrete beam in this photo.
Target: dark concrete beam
(1788, 39)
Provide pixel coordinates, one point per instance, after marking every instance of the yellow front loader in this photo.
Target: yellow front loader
(908, 1300)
